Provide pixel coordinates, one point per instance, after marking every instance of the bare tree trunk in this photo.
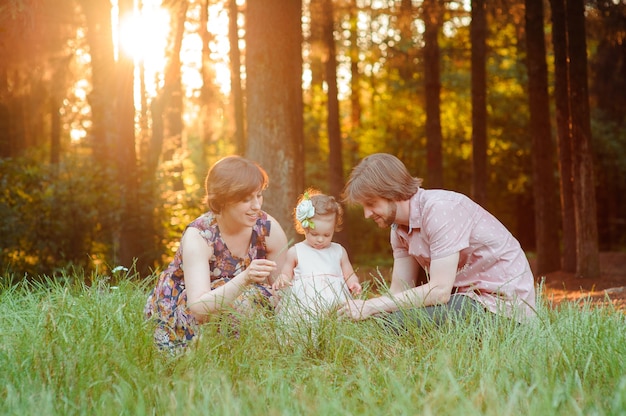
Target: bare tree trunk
(55, 129)
(235, 77)
(402, 56)
(167, 107)
(561, 98)
(143, 123)
(587, 251)
(126, 159)
(335, 148)
(315, 40)
(207, 97)
(478, 35)
(352, 144)
(274, 104)
(355, 102)
(544, 182)
(434, 157)
(102, 134)
(335, 159)
(99, 37)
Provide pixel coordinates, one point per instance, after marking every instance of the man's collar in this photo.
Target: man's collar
(415, 212)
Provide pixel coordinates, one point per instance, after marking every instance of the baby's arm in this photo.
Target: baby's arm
(352, 280)
(285, 277)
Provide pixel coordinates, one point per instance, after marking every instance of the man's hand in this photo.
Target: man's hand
(356, 309)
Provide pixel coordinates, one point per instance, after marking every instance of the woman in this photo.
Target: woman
(229, 255)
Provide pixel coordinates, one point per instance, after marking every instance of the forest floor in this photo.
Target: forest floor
(609, 288)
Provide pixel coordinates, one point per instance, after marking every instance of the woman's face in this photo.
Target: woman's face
(246, 211)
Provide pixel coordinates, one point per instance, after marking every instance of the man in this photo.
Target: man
(472, 261)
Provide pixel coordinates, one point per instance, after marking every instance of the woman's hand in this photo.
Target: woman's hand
(259, 270)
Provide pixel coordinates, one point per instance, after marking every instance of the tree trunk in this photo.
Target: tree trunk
(352, 144)
(561, 98)
(274, 104)
(315, 39)
(100, 40)
(167, 106)
(587, 252)
(544, 182)
(478, 36)
(99, 37)
(335, 148)
(55, 129)
(355, 102)
(235, 77)
(432, 23)
(335, 159)
(126, 160)
(402, 55)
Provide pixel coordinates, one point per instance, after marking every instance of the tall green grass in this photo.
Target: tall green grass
(69, 349)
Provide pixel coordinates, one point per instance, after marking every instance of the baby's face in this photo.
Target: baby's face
(322, 235)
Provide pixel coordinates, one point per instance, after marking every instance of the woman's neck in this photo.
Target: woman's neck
(230, 228)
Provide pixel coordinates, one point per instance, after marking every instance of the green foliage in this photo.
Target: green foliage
(316, 140)
(178, 207)
(55, 217)
(71, 349)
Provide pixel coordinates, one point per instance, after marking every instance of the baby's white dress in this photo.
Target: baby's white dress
(318, 284)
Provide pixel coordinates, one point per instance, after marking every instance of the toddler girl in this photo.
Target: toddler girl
(317, 275)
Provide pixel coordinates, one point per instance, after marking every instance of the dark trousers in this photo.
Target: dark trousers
(459, 308)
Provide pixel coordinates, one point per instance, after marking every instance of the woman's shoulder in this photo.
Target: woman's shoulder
(205, 221)
(264, 223)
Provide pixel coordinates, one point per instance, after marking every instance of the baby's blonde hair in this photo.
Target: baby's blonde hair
(324, 205)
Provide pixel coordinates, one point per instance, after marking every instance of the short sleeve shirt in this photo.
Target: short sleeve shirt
(493, 268)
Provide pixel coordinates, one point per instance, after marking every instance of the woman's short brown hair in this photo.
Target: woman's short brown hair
(380, 175)
(232, 179)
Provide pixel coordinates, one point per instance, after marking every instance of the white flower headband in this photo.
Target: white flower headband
(305, 211)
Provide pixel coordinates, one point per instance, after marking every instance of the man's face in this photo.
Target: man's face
(382, 211)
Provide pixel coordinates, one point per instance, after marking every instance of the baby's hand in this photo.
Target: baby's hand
(355, 287)
(281, 282)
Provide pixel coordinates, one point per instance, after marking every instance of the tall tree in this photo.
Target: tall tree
(355, 99)
(130, 239)
(544, 181)
(587, 252)
(274, 100)
(103, 70)
(335, 159)
(167, 106)
(235, 76)
(100, 40)
(478, 36)
(402, 54)
(561, 93)
(315, 40)
(205, 90)
(432, 80)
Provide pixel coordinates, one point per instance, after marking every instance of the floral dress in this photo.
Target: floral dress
(167, 303)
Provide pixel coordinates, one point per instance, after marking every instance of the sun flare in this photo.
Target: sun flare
(143, 35)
